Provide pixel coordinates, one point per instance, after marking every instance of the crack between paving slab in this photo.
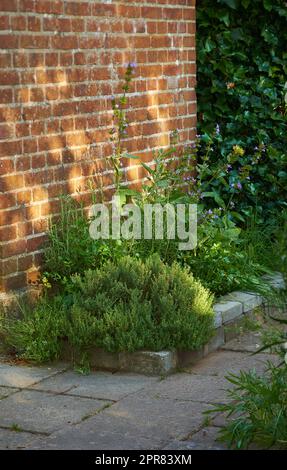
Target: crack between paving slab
(200, 428)
(88, 416)
(46, 378)
(180, 400)
(35, 433)
(15, 390)
(64, 393)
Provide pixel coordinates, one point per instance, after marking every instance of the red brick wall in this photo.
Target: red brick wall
(60, 62)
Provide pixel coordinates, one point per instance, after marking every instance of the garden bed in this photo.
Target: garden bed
(230, 313)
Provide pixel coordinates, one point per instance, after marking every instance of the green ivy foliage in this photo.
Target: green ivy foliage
(242, 75)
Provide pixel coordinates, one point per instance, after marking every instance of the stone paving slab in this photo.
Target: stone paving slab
(135, 422)
(43, 412)
(103, 385)
(222, 362)
(249, 342)
(25, 376)
(170, 418)
(190, 387)
(14, 440)
(205, 439)
(102, 432)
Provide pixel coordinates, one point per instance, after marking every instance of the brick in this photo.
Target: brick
(34, 23)
(8, 266)
(25, 262)
(78, 9)
(35, 243)
(9, 78)
(10, 148)
(67, 42)
(4, 23)
(26, 5)
(36, 112)
(6, 166)
(30, 146)
(49, 6)
(24, 197)
(5, 59)
(14, 248)
(14, 282)
(8, 5)
(23, 163)
(36, 59)
(6, 131)
(52, 59)
(18, 23)
(7, 233)
(34, 41)
(7, 200)
(151, 12)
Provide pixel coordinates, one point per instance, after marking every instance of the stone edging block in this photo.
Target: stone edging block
(227, 310)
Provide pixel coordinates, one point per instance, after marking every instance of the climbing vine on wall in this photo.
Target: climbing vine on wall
(242, 75)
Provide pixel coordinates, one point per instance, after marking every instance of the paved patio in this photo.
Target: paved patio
(56, 408)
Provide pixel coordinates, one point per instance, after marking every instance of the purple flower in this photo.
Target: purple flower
(229, 167)
(132, 65)
(239, 185)
(217, 129)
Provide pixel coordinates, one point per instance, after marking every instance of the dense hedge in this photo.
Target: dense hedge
(242, 65)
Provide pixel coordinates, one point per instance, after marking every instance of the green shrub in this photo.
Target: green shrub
(35, 335)
(121, 307)
(136, 304)
(223, 260)
(241, 93)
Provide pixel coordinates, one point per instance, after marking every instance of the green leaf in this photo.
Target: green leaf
(148, 169)
(128, 155)
(230, 3)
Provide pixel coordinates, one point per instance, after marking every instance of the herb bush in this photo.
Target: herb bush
(123, 306)
(241, 93)
(35, 335)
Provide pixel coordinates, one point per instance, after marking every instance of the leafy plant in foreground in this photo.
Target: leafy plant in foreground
(257, 411)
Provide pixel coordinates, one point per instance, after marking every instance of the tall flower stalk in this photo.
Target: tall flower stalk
(119, 130)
